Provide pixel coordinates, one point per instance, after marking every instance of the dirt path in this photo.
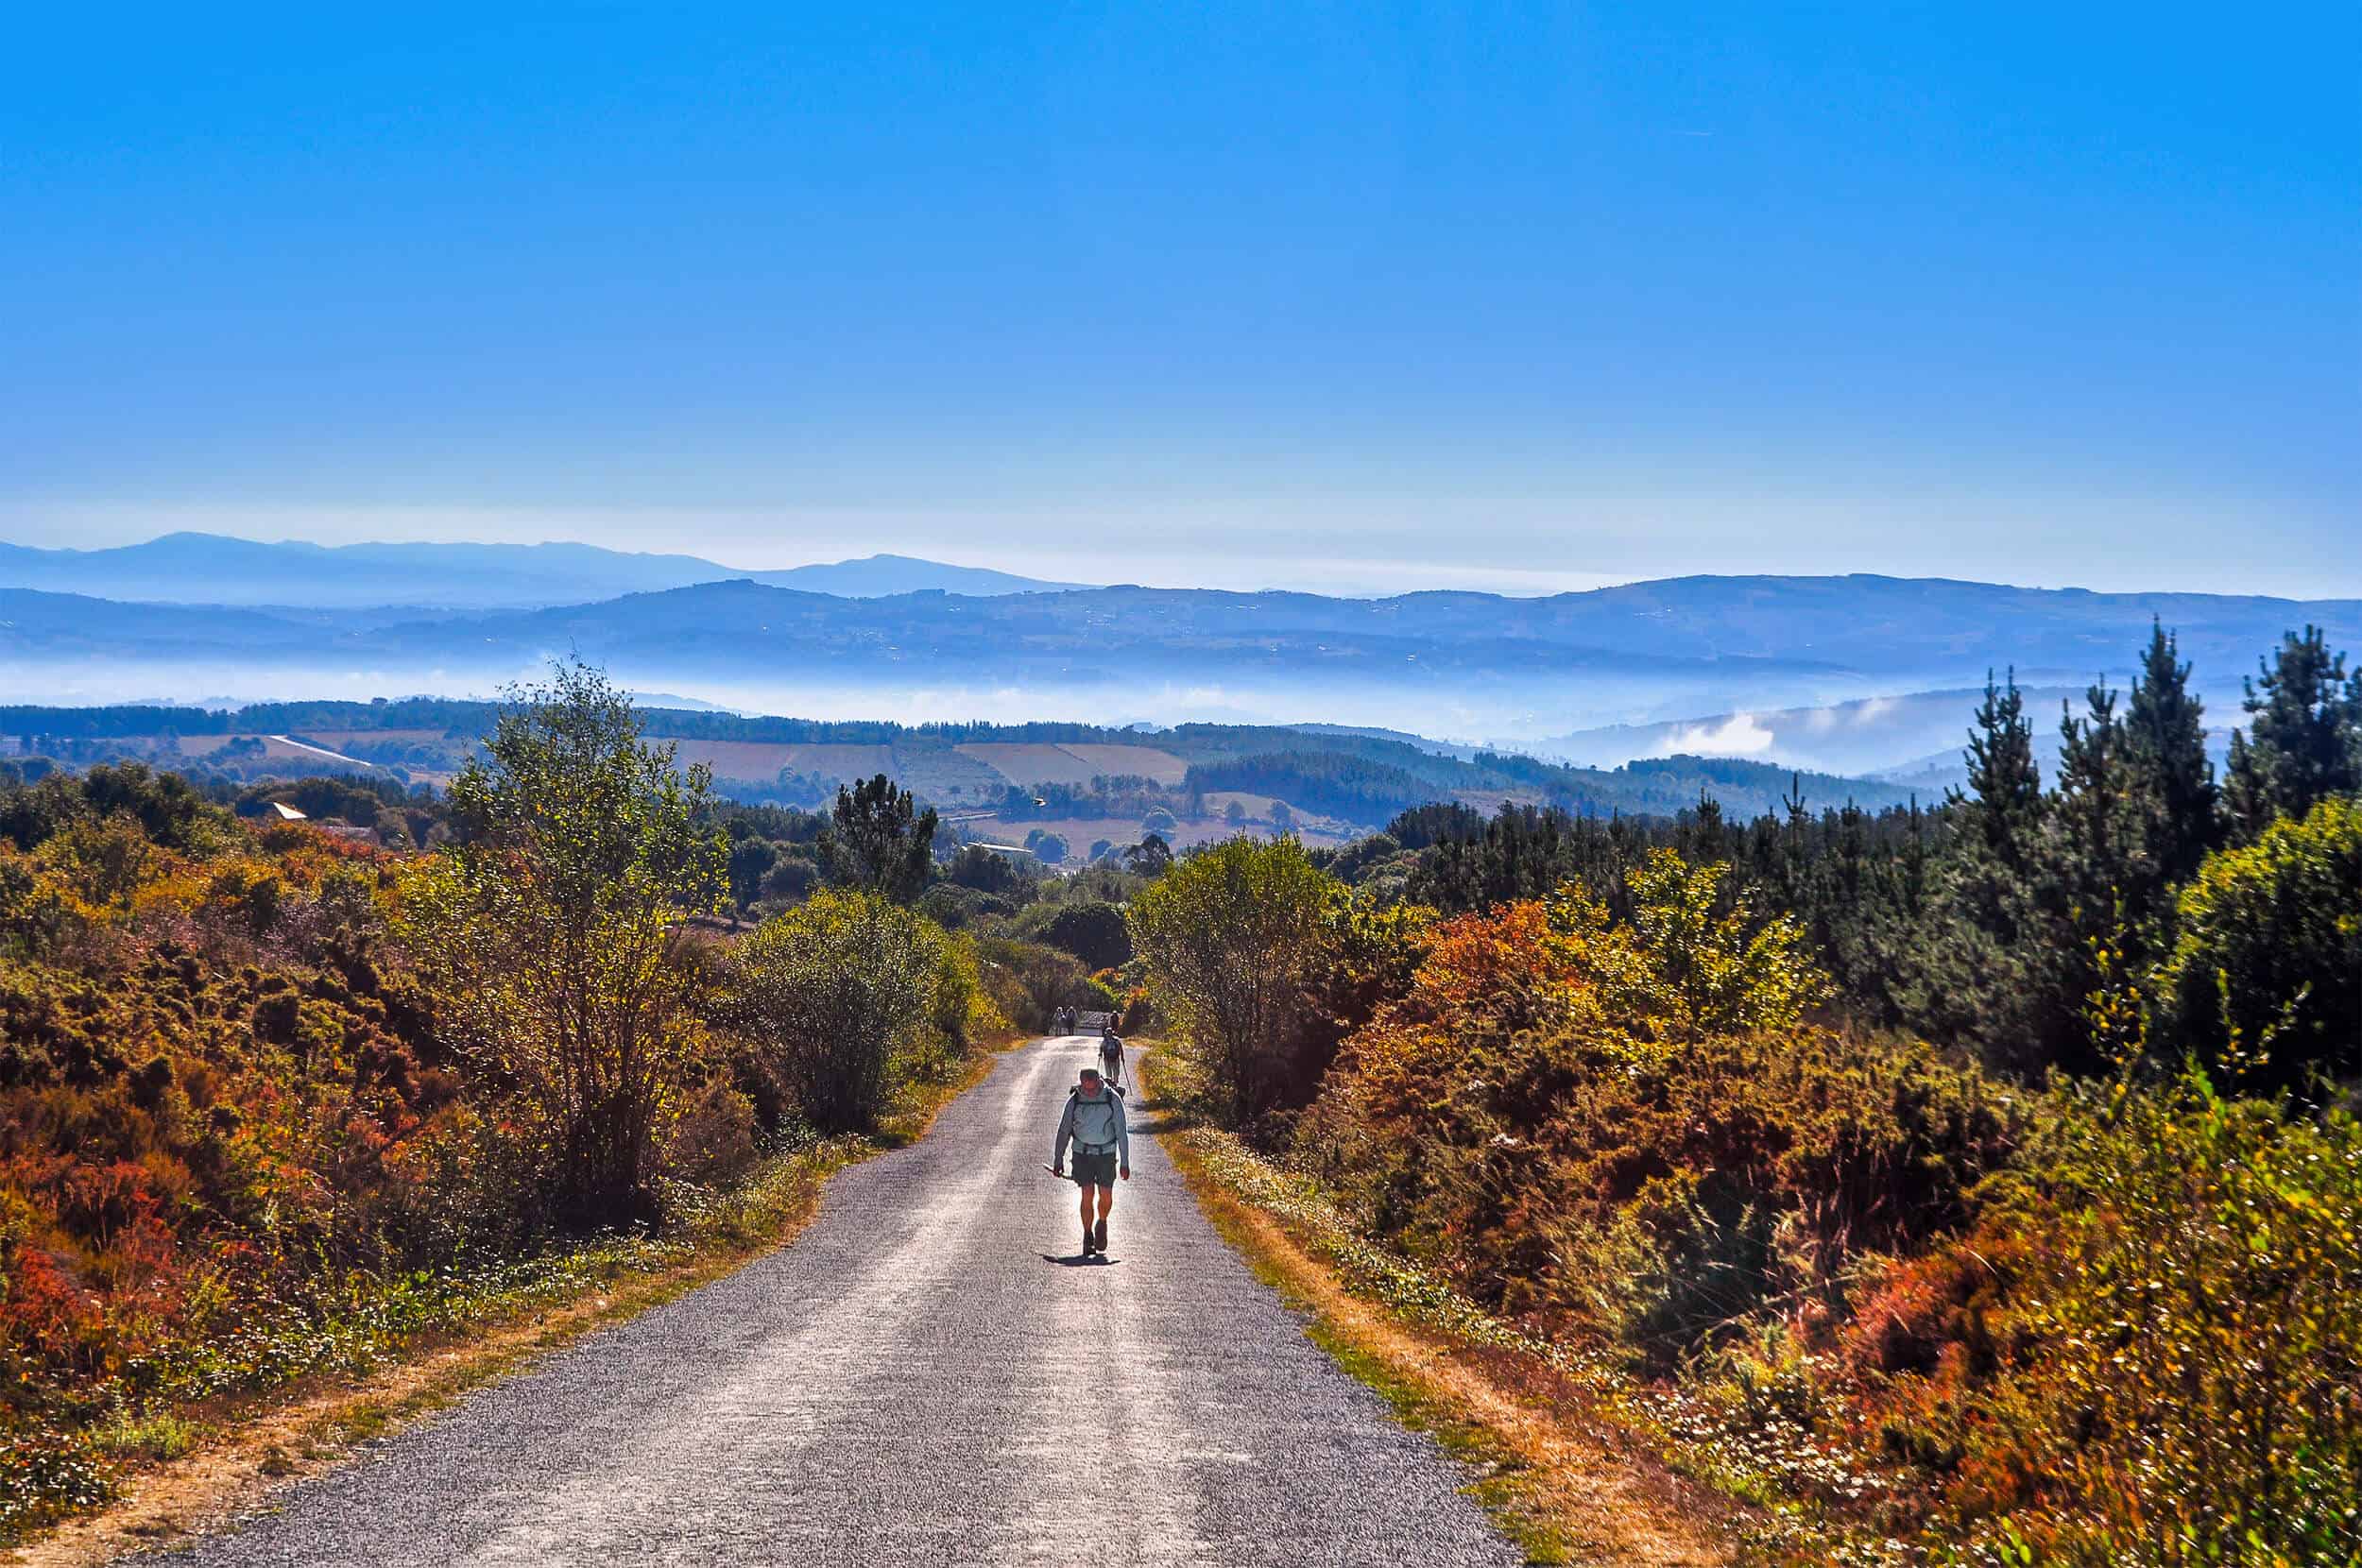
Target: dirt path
(928, 1375)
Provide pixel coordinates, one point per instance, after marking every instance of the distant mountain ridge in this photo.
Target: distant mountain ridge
(1763, 653)
(215, 568)
(882, 576)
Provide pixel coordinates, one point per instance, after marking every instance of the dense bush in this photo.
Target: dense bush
(1626, 1132)
(1093, 929)
(2270, 951)
(827, 993)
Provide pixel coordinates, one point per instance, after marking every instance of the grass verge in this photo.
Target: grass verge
(1559, 1478)
(184, 1468)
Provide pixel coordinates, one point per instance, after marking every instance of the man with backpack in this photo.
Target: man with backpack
(1093, 1122)
(1111, 1055)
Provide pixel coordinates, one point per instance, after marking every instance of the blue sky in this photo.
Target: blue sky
(1359, 296)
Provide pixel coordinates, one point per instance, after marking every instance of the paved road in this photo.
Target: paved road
(927, 1376)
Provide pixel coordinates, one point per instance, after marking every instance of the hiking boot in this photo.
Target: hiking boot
(1088, 1245)
(1099, 1238)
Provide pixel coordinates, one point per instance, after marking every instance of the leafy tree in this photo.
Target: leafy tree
(553, 923)
(1151, 857)
(1697, 966)
(2304, 737)
(1227, 936)
(984, 870)
(1282, 819)
(790, 879)
(750, 860)
(2270, 951)
(827, 992)
(170, 813)
(1093, 930)
(1045, 979)
(879, 840)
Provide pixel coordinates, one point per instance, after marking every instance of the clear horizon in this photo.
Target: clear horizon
(1361, 299)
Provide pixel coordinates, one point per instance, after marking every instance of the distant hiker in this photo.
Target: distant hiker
(1111, 1055)
(1093, 1122)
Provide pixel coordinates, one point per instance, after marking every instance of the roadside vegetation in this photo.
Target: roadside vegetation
(1979, 1185)
(279, 1104)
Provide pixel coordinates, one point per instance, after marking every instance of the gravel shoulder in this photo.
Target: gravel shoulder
(927, 1372)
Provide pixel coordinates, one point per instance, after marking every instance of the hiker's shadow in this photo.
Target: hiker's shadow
(1074, 1261)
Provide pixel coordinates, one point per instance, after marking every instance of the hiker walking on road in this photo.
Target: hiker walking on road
(1093, 1122)
(1111, 1055)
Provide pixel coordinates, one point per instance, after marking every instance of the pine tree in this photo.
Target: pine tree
(2165, 744)
(2107, 824)
(880, 841)
(2003, 801)
(2000, 814)
(2303, 740)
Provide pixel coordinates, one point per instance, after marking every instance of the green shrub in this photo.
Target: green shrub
(2271, 948)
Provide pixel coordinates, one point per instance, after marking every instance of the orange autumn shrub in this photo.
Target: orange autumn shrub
(1629, 1132)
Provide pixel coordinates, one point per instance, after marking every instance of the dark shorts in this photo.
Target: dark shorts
(1095, 1170)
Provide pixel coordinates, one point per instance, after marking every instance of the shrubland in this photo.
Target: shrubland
(276, 1102)
(1974, 1185)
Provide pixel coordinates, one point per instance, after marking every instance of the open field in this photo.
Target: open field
(765, 759)
(1115, 760)
(279, 751)
(1074, 765)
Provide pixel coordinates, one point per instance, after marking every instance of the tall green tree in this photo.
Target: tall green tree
(2002, 806)
(2165, 744)
(1228, 935)
(2304, 739)
(1974, 974)
(879, 840)
(556, 913)
(2100, 842)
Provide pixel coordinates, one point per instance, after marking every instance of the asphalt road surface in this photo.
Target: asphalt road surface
(929, 1375)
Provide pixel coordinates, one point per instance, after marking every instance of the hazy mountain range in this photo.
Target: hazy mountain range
(211, 568)
(1850, 675)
